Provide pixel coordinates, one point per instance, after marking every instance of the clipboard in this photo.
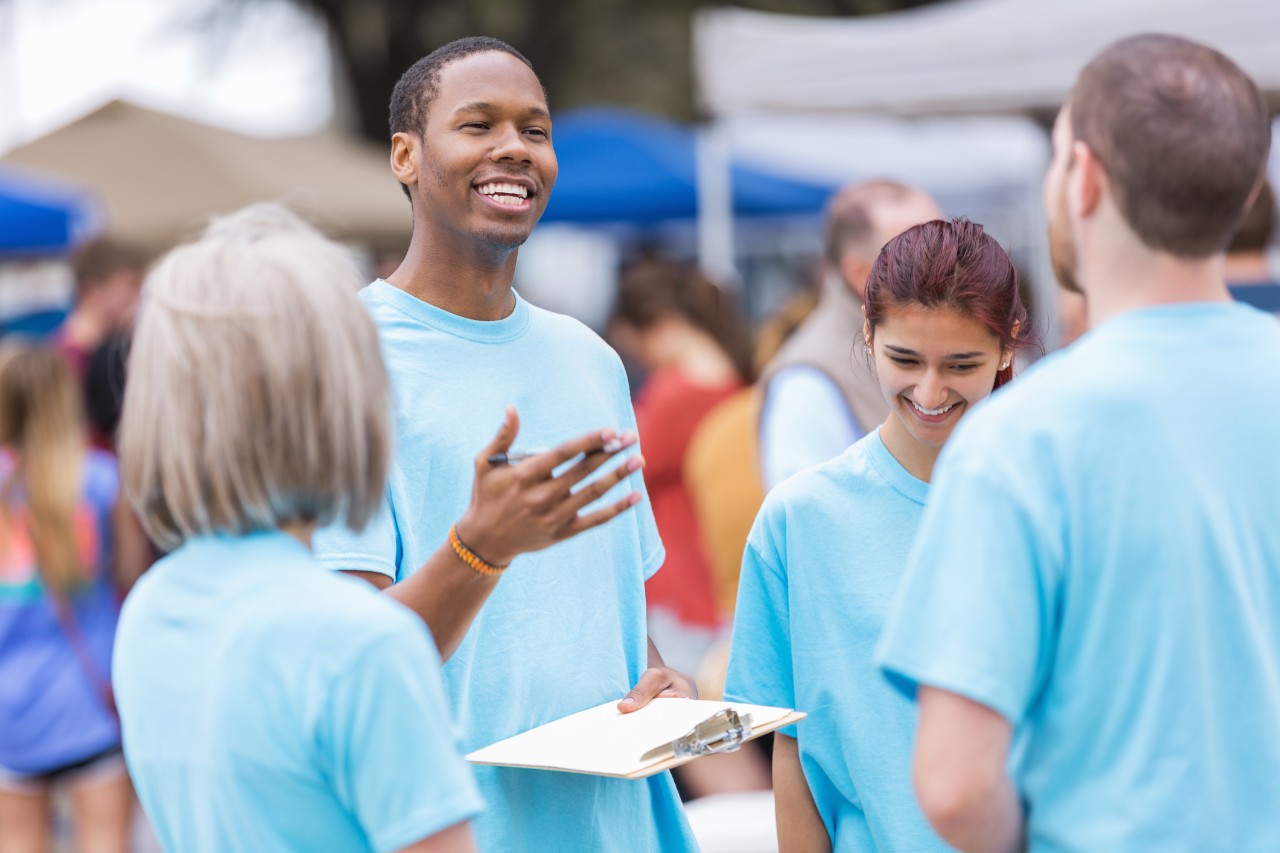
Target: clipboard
(666, 733)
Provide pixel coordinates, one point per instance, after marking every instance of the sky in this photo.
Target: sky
(264, 69)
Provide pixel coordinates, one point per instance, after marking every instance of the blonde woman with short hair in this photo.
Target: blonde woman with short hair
(267, 703)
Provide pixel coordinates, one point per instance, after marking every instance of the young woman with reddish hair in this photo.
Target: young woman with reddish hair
(943, 321)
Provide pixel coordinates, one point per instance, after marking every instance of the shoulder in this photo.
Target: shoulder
(568, 331)
(816, 492)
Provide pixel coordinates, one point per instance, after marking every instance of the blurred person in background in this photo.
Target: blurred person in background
(108, 280)
(60, 584)
(816, 399)
(1088, 619)
(943, 320)
(1248, 272)
(693, 346)
(690, 339)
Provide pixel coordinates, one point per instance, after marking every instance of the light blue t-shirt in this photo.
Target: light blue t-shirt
(268, 704)
(564, 629)
(1100, 563)
(818, 574)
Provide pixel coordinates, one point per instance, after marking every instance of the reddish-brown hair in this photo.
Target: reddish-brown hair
(955, 265)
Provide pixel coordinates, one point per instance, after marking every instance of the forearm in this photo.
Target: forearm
(447, 594)
(992, 824)
(800, 827)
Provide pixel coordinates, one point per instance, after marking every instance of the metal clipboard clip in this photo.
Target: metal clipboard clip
(723, 731)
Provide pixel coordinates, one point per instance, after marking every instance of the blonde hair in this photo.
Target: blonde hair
(42, 422)
(256, 394)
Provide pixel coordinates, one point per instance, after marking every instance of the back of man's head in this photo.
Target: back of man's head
(863, 217)
(1255, 231)
(1182, 135)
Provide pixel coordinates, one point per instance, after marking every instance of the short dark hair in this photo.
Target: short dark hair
(100, 259)
(1181, 132)
(849, 222)
(418, 87)
(1255, 231)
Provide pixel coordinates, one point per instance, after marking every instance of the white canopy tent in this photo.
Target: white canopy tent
(964, 56)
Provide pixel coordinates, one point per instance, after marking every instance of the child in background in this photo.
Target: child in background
(60, 584)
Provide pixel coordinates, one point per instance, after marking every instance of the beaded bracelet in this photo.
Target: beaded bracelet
(471, 558)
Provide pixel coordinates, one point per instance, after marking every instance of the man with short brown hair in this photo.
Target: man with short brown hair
(108, 284)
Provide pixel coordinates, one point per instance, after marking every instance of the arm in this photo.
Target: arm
(132, 551)
(961, 749)
(800, 827)
(514, 509)
(659, 680)
(455, 839)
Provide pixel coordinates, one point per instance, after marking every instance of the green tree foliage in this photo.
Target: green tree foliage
(626, 52)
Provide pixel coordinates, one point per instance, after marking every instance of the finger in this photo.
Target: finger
(591, 462)
(541, 466)
(599, 487)
(595, 519)
(506, 435)
(651, 683)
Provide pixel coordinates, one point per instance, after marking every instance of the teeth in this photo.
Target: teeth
(932, 412)
(497, 188)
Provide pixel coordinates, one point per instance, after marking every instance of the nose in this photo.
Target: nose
(931, 392)
(511, 145)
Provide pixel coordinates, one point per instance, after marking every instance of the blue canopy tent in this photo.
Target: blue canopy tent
(39, 218)
(620, 166)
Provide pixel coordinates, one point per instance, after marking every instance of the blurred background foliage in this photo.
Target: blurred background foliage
(624, 52)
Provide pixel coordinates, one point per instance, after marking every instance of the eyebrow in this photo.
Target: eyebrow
(485, 106)
(955, 356)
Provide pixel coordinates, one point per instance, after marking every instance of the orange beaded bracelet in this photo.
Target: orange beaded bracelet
(471, 558)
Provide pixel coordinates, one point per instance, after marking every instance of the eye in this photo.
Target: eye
(537, 131)
(476, 125)
(904, 362)
(964, 367)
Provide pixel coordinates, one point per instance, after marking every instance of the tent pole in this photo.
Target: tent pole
(715, 207)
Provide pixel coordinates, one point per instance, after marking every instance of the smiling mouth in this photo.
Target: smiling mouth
(932, 413)
(500, 192)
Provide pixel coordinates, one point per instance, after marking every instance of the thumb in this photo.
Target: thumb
(506, 434)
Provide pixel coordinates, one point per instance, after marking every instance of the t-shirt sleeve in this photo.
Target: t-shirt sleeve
(376, 548)
(975, 613)
(804, 422)
(760, 670)
(389, 743)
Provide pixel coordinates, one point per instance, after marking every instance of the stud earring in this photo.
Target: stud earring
(1004, 366)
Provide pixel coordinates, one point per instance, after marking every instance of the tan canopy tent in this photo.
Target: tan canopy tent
(161, 177)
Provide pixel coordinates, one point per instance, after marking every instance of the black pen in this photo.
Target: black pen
(513, 456)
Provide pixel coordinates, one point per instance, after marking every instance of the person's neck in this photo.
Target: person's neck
(468, 281)
(1118, 278)
(1246, 268)
(83, 329)
(300, 530)
(917, 458)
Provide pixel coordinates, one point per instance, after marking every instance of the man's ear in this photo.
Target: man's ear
(854, 270)
(404, 157)
(1089, 181)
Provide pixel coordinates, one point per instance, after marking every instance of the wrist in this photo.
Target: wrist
(475, 560)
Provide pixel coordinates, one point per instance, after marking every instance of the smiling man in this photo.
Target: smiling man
(1094, 587)
(564, 629)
